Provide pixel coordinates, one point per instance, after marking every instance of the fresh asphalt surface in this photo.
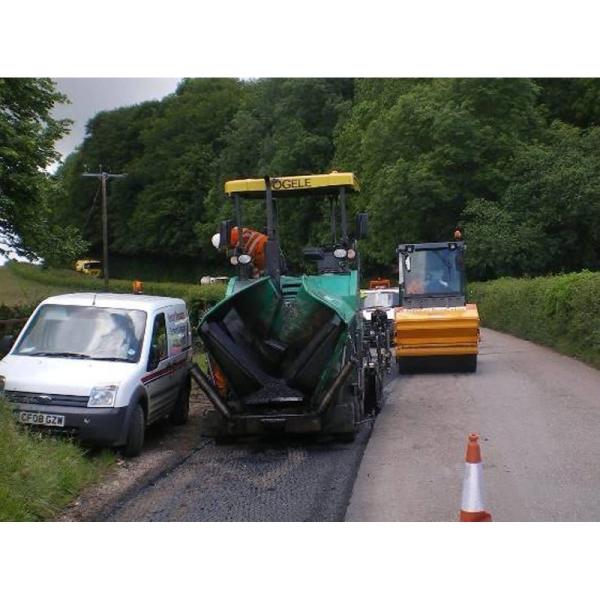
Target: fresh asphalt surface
(538, 414)
(295, 480)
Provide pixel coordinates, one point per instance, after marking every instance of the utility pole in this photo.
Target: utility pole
(104, 177)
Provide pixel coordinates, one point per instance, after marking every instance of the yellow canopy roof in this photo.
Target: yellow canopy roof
(295, 184)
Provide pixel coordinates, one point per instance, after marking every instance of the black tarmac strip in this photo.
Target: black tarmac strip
(295, 479)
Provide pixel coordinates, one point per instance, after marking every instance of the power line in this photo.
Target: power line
(103, 176)
(87, 220)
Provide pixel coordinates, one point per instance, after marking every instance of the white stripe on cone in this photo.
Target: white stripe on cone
(472, 494)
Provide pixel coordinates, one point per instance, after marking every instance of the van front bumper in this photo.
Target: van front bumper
(94, 426)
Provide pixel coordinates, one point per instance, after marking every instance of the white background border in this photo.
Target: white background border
(176, 38)
(311, 38)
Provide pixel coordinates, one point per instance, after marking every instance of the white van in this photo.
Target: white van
(101, 366)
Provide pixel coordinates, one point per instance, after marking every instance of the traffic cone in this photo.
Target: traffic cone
(472, 505)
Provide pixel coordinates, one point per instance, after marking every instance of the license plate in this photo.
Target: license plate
(30, 418)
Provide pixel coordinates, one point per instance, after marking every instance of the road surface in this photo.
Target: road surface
(538, 414)
(297, 480)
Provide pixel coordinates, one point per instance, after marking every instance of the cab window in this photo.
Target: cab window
(433, 272)
(158, 348)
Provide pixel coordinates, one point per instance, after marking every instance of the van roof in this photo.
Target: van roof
(107, 300)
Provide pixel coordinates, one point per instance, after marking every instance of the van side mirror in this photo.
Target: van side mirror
(362, 226)
(153, 357)
(6, 343)
(225, 233)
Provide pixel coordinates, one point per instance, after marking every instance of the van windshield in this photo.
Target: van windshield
(89, 332)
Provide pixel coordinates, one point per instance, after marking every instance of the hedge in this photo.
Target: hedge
(8, 313)
(561, 311)
(197, 297)
(16, 312)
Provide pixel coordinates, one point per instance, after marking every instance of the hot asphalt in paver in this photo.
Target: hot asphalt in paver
(538, 414)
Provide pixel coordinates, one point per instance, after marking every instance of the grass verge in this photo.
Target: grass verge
(561, 311)
(16, 291)
(197, 297)
(41, 474)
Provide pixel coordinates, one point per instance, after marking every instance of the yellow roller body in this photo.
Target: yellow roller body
(452, 331)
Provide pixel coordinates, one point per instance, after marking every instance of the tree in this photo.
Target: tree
(512, 160)
(499, 243)
(28, 195)
(168, 150)
(572, 101)
(424, 149)
(548, 219)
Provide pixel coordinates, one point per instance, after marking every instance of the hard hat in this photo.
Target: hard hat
(216, 240)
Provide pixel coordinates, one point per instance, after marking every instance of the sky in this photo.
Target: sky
(89, 96)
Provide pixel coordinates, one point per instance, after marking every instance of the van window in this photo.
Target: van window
(179, 330)
(159, 338)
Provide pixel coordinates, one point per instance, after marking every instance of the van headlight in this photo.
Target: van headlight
(103, 396)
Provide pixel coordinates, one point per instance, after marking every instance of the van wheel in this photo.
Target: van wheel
(135, 433)
(180, 413)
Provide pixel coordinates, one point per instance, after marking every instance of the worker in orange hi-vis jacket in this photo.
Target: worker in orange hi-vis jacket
(253, 244)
